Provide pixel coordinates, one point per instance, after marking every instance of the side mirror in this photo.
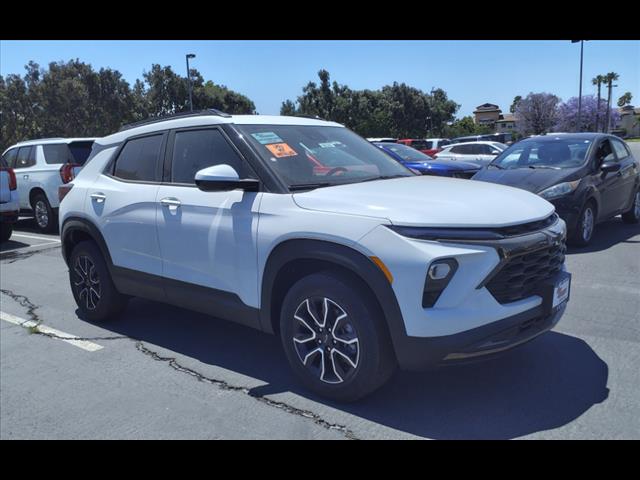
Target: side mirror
(610, 167)
(223, 177)
(495, 152)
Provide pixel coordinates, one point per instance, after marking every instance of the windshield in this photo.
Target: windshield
(556, 153)
(408, 154)
(314, 156)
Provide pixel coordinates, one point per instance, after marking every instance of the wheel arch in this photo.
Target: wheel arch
(75, 230)
(35, 191)
(293, 259)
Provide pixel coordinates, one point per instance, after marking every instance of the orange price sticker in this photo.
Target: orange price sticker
(281, 150)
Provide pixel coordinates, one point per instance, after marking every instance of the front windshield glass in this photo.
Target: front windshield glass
(408, 154)
(310, 155)
(556, 153)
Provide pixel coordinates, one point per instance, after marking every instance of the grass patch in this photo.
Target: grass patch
(636, 139)
(33, 329)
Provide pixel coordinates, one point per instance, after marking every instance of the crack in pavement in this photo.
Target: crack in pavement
(24, 302)
(173, 363)
(222, 384)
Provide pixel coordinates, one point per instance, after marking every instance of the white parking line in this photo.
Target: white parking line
(51, 239)
(65, 337)
(28, 246)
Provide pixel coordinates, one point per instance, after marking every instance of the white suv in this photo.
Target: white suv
(358, 267)
(479, 153)
(41, 166)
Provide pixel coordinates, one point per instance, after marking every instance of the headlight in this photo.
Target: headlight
(559, 190)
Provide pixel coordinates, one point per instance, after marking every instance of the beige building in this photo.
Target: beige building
(506, 123)
(487, 114)
(629, 120)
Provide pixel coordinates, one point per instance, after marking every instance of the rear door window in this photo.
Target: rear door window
(26, 157)
(138, 159)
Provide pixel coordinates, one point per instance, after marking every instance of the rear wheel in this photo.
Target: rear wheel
(633, 214)
(585, 227)
(6, 229)
(43, 214)
(334, 337)
(91, 284)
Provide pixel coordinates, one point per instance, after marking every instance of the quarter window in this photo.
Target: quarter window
(197, 149)
(10, 157)
(138, 160)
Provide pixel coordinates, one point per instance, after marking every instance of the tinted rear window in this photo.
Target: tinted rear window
(138, 159)
(9, 158)
(76, 152)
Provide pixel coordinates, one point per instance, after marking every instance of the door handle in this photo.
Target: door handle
(171, 202)
(99, 197)
(25, 177)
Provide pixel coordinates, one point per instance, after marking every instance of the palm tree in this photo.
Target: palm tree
(598, 80)
(609, 78)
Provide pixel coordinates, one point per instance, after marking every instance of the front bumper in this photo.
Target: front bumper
(569, 210)
(423, 353)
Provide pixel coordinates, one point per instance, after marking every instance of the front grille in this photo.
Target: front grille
(521, 276)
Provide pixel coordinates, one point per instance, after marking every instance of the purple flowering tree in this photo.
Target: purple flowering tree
(568, 115)
(536, 113)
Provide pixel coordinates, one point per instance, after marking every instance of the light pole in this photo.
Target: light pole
(580, 89)
(189, 55)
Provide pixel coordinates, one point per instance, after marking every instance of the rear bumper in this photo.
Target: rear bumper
(423, 353)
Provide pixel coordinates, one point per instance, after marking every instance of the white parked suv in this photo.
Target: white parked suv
(480, 153)
(358, 268)
(41, 166)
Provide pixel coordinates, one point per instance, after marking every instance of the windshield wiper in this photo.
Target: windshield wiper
(384, 177)
(544, 166)
(308, 186)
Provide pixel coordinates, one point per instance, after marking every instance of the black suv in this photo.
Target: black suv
(589, 177)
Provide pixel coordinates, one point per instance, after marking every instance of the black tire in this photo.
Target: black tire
(88, 273)
(6, 229)
(44, 216)
(581, 236)
(372, 353)
(633, 214)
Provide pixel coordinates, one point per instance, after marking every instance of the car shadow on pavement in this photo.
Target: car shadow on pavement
(542, 385)
(11, 245)
(608, 234)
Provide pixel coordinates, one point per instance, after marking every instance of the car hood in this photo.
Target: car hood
(429, 201)
(533, 180)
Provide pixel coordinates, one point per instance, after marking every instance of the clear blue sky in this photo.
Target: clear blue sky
(471, 72)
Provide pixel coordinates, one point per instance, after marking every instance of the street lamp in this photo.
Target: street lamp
(580, 89)
(189, 55)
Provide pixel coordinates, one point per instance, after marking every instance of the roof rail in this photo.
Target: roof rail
(148, 121)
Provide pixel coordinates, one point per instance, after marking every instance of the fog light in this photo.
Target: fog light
(439, 271)
(439, 275)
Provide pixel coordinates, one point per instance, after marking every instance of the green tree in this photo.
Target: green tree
(625, 99)
(515, 102)
(598, 80)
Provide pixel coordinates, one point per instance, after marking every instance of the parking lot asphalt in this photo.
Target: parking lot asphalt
(164, 372)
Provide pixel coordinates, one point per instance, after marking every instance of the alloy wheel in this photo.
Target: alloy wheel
(325, 340)
(41, 214)
(587, 223)
(87, 282)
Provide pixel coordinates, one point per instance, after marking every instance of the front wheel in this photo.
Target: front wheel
(91, 284)
(334, 337)
(633, 214)
(585, 227)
